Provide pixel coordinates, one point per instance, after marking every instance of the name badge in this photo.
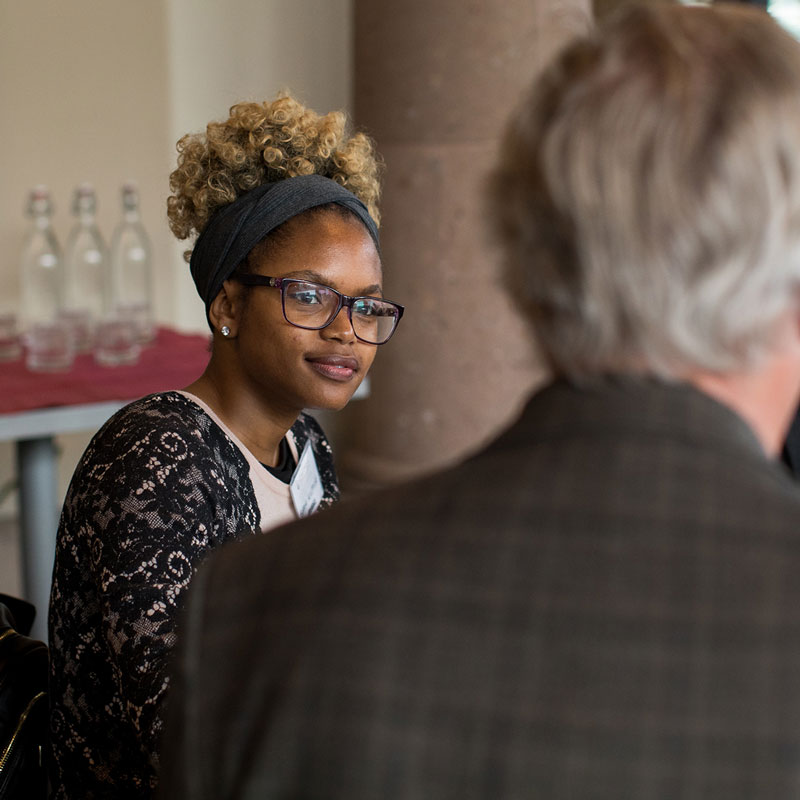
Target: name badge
(306, 484)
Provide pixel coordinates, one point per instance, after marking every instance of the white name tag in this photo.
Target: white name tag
(306, 484)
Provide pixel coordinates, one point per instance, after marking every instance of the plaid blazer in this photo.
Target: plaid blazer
(605, 603)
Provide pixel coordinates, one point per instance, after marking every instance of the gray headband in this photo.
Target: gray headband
(234, 230)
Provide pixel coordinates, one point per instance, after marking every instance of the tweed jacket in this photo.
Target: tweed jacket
(605, 603)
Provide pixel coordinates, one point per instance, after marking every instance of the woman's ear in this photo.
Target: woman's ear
(225, 308)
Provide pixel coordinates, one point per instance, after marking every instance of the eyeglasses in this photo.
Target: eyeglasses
(314, 306)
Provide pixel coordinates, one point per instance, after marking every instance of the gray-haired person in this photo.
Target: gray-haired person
(605, 603)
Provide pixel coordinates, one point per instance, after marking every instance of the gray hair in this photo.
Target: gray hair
(648, 193)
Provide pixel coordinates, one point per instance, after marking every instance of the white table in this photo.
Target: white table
(33, 433)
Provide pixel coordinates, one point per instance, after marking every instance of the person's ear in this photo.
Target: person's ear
(225, 309)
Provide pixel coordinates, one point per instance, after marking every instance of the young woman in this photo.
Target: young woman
(288, 265)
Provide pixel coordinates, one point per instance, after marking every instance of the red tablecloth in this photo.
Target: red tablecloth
(172, 361)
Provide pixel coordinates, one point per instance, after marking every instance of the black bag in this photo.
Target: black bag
(23, 704)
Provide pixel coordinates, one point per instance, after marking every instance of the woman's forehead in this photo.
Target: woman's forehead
(335, 250)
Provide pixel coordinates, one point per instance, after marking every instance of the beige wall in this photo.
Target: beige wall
(83, 97)
(100, 90)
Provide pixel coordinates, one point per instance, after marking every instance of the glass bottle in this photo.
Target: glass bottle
(131, 267)
(41, 264)
(85, 268)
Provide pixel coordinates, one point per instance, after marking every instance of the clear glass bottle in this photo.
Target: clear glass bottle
(85, 269)
(41, 278)
(131, 267)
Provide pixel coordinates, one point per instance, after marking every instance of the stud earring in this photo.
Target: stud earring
(225, 330)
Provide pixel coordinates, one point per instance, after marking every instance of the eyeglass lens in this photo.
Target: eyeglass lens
(311, 305)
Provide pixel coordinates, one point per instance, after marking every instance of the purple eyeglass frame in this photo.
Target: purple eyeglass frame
(249, 279)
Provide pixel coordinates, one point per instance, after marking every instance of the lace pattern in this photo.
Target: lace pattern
(158, 488)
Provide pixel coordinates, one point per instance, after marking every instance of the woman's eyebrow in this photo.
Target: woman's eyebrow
(306, 275)
(310, 275)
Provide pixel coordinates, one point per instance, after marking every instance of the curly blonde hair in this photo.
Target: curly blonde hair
(264, 143)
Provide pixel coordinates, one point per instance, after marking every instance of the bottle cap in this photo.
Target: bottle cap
(84, 199)
(39, 201)
(130, 195)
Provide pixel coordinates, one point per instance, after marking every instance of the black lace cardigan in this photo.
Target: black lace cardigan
(159, 486)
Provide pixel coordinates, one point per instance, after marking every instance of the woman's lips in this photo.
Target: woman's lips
(337, 368)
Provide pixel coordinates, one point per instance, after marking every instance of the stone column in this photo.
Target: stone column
(434, 84)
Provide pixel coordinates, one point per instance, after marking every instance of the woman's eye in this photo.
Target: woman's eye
(307, 297)
(372, 308)
(365, 309)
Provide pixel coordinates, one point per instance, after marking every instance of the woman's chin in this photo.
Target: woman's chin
(333, 401)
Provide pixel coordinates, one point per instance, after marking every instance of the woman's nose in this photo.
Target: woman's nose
(340, 328)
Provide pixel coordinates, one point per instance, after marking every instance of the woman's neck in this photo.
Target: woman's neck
(258, 426)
